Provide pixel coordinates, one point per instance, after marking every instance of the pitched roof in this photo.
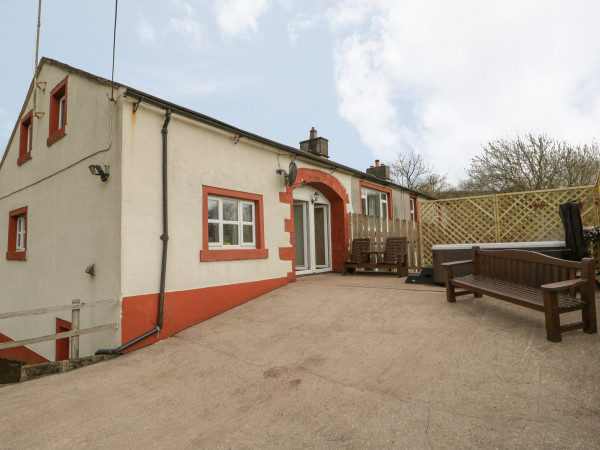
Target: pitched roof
(180, 110)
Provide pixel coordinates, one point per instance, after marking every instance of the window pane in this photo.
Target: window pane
(20, 244)
(299, 233)
(230, 210)
(248, 236)
(383, 196)
(230, 234)
(61, 112)
(213, 209)
(213, 232)
(373, 203)
(29, 131)
(247, 213)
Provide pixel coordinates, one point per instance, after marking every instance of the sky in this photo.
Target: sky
(375, 77)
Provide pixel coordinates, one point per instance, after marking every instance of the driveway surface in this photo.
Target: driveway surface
(362, 361)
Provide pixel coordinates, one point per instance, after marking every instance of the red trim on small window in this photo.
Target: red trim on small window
(24, 150)
(11, 249)
(380, 189)
(57, 93)
(209, 254)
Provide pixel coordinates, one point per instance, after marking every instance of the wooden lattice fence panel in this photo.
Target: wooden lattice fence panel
(514, 217)
(533, 216)
(456, 221)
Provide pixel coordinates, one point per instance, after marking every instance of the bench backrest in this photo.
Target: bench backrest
(359, 246)
(527, 267)
(395, 250)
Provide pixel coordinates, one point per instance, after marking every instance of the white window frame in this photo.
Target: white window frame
(62, 104)
(383, 201)
(21, 232)
(239, 222)
(29, 136)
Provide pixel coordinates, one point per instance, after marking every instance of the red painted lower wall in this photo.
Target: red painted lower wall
(20, 353)
(183, 309)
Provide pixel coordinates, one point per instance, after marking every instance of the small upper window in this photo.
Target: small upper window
(26, 138)
(17, 235)
(62, 105)
(58, 112)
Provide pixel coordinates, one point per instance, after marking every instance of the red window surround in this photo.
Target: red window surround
(209, 254)
(380, 189)
(13, 218)
(58, 112)
(26, 138)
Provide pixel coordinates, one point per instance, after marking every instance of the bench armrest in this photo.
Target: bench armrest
(563, 285)
(458, 263)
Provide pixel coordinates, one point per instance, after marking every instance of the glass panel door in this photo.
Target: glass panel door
(321, 237)
(301, 235)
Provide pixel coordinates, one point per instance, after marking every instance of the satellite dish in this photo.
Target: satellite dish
(293, 171)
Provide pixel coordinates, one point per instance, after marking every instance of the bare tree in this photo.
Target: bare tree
(531, 162)
(412, 171)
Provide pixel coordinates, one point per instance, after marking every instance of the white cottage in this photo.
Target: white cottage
(187, 216)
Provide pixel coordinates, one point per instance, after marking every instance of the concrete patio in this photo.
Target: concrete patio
(363, 361)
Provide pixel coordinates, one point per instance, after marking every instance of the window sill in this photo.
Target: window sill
(24, 158)
(232, 255)
(16, 256)
(56, 136)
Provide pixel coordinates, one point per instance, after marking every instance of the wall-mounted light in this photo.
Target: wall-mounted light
(315, 198)
(97, 170)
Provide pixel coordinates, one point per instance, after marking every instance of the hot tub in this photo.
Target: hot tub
(460, 252)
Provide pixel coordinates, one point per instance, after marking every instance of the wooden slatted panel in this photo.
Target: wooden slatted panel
(377, 230)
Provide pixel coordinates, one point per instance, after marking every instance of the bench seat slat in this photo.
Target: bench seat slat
(527, 296)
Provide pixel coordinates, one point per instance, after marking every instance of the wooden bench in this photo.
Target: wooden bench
(393, 257)
(532, 280)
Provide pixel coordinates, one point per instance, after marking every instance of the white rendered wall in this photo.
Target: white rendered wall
(73, 218)
(198, 155)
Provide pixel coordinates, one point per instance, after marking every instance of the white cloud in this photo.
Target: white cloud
(145, 30)
(239, 18)
(443, 78)
(188, 26)
(300, 24)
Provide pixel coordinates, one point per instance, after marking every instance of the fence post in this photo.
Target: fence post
(75, 327)
(496, 218)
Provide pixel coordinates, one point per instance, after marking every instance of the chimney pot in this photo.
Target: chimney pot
(313, 133)
(376, 163)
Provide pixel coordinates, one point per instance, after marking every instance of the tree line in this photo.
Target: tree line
(524, 163)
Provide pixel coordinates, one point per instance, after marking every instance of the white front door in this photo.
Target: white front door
(312, 227)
